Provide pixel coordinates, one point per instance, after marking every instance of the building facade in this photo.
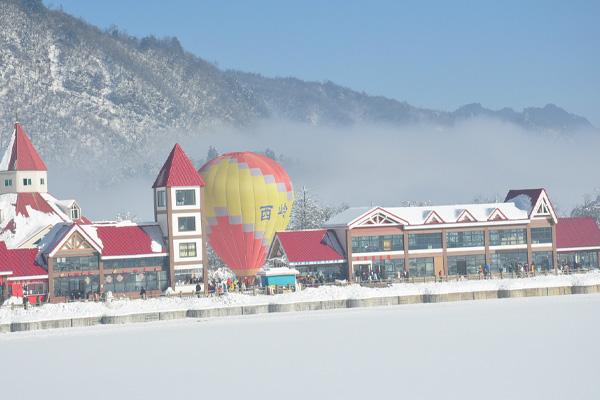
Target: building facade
(178, 198)
(459, 240)
(49, 251)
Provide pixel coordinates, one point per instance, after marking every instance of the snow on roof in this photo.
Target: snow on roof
(348, 215)
(21, 262)
(26, 214)
(127, 239)
(278, 271)
(20, 154)
(577, 232)
(448, 213)
(178, 170)
(309, 246)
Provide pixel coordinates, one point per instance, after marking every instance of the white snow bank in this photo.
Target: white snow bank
(122, 307)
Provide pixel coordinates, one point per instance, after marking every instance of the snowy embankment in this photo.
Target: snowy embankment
(323, 293)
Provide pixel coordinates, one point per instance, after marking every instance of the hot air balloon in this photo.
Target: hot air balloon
(248, 197)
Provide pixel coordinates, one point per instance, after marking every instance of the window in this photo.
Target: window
(42, 181)
(160, 198)
(465, 239)
(8, 182)
(76, 287)
(421, 266)
(187, 249)
(75, 211)
(186, 224)
(422, 241)
(542, 260)
(507, 261)
(70, 264)
(185, 197)
(465, 265)
(578, 259)
(369, 244)
(134, 281)
(26, 181)
(135, 262)
(388, 269)
(507, 237)
(188, 276)
(541, 235)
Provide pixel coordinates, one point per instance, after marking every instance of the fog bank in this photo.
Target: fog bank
(373, 164)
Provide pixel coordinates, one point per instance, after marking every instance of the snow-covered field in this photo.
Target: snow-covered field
(80, 309)
(527, 348)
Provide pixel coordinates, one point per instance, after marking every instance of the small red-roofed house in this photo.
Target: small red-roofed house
(313, 252)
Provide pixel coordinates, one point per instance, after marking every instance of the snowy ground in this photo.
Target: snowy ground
(79, 309)
(527, 348)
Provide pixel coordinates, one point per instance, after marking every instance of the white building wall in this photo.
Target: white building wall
(39, 181)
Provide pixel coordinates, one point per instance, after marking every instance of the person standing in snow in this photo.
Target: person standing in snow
(143, 293)
(198, 289)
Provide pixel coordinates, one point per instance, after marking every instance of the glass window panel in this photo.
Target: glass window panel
(423, 241)
(465, 239)
(370, 244)
(422, 266)
(541, 235)
(506, 237)
(185, 197)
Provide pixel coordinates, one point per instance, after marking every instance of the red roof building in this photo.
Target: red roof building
(178, 170)
(310, 246)
(314, 253)
(577, 233)
(20, 263)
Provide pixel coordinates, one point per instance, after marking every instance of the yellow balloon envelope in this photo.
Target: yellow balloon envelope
(248, 197)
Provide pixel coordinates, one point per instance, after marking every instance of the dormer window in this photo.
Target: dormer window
(75, 211)
(7, 182)
(26, 181)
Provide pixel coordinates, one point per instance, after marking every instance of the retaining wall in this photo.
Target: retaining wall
(296, 307)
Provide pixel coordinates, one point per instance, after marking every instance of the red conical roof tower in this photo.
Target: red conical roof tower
(178, 170)
(21, 155)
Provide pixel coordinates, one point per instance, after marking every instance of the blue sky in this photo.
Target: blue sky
(431, 54)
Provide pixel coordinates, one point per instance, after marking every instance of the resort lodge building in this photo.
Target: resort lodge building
(390, 242)
(50, 252)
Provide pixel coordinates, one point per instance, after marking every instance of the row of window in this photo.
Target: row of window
(26, 182)
(502, 261)
(91, 263)
(424, 241)
(579, 259)
(183, 197)
(136, 262)
(82, 287)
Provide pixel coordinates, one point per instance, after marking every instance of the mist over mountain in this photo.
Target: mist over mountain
(93, 98)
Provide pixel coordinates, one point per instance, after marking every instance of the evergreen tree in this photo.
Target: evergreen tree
(211, 153)
(309, 213)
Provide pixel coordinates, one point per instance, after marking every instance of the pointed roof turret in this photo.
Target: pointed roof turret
(20, 154)
(178, 170)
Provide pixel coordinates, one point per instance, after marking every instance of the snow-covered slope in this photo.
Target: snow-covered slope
(87, 94)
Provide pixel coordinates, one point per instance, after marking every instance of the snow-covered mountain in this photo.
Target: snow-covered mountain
(88, 94)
